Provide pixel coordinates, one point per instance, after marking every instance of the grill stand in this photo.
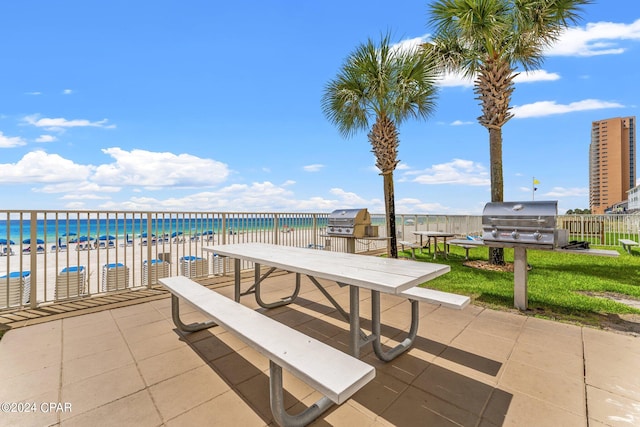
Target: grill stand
(520, 277)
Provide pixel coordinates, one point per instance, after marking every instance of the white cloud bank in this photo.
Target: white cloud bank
(60, 124)
(599, 38)
(11, 141)
(458, 171)
(548, 108)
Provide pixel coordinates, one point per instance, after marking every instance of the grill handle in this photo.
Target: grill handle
(539, 220)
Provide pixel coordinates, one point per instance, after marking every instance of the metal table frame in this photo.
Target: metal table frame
(296, 260)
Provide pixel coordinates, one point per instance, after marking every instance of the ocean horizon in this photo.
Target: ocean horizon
(50, 230)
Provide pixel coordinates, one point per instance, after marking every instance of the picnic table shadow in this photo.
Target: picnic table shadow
(419, 393)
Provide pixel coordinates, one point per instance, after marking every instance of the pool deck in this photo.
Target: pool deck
(126, 365)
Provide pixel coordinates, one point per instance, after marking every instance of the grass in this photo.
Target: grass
(557, 283)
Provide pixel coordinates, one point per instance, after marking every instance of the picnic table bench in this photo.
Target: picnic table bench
(386, 275)
(627, 243)
(411, 245)
(336, 375)
(466, 244)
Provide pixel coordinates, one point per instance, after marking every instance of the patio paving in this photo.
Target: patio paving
(128, 366)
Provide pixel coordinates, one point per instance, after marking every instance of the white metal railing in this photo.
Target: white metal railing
(47, 256)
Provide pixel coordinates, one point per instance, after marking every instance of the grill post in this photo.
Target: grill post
(520, 277)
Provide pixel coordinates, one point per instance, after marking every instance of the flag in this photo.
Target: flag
(535, 181)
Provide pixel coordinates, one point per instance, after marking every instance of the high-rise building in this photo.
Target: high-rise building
(612, 162)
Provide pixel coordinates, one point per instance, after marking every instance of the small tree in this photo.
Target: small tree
(487, 40)
(385, 85)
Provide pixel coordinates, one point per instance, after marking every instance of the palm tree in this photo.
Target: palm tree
(386, 85)
(487, 40)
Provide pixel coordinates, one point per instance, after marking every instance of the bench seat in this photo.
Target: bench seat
(411, 245)
(627, 243)
(336, 375)
(432, 296)
(466, 244)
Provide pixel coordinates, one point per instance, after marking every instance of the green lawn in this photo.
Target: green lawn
(556, 282)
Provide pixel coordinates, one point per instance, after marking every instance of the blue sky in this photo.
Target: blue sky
(215, 106)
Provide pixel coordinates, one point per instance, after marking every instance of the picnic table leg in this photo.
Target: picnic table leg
(276, 400)
(283, 301)
(375, 327)
(193, 327)
(354, 321)
(236, 276)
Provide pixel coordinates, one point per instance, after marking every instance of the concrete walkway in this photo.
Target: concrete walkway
(477, 367)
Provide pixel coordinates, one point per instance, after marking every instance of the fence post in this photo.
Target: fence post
(33, 273)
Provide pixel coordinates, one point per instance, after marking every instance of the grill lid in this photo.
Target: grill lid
(348, 222)
(520, 224)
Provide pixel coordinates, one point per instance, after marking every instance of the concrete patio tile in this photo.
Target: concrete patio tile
(139, 319)
(234, 368)
(19, 355)
(167, 365)
(155, 345)
(624, 343)
(457, 397)
(184, 392)
(379, 393)
(609, 367)
(132, 310)
(147, 330)
(225, 410)
(612, 409)
(509, 408)
(560, 390)
(549, 360)
(134, 410)
(96, 391)
(75, 347)
(107, 326)
(567, 338)
(482, 344)
(95, 318)
(211, 348)
(553, 327)
(503, 325)
(415, 407)
(24, 387)
(405, 368)
(81, 368)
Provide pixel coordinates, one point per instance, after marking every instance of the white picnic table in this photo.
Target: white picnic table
(376, 274)
(434, 235)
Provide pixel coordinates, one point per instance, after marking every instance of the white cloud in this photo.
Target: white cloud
(458, 171)
(461, 123)
(59, 124)
(46, 138)
(67, 92)
(567, 192)
(548, 108)
(600, 38)
(10, 141)
(34, 93)
(41, 167)
(156, 170)
(536, 76)
(313, 168)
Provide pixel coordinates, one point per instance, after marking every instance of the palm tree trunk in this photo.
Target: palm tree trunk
(390, 208)
(496, 255)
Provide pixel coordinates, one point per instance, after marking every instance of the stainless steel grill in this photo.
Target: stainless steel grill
(528, 224)
(350, 223)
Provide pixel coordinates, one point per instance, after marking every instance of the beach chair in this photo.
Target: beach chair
(115, 276)
(192, 266)
(7, 251)
(19, 289)
(71, 282)
(158, 269)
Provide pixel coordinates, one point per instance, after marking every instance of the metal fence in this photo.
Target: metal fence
(48, 256)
